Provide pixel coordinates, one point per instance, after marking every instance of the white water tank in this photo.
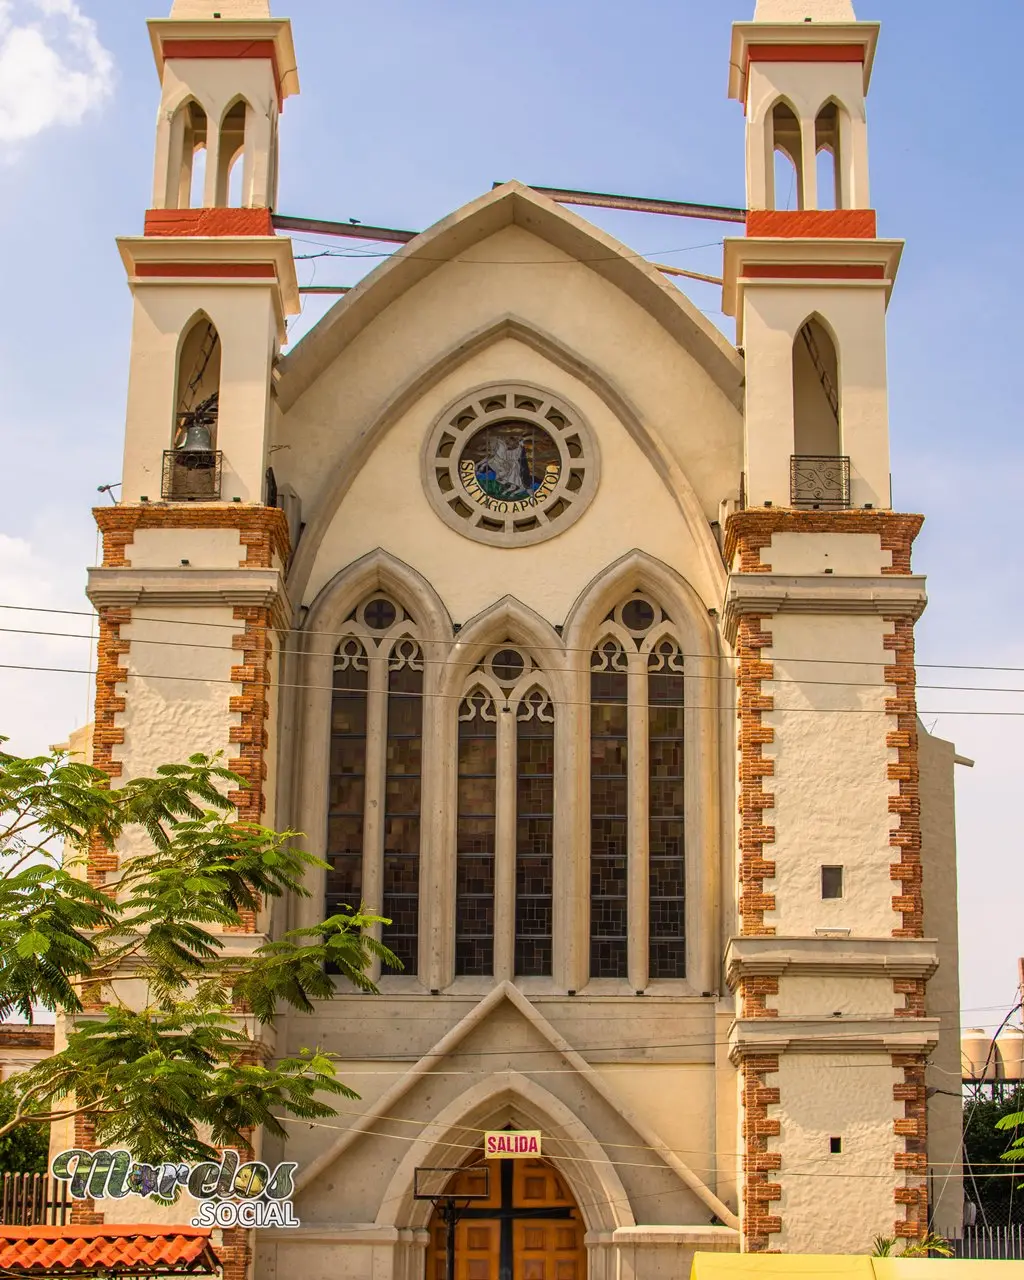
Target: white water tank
(975, 1044)
(1010, 1047)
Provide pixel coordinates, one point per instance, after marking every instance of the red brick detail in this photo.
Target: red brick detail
(209, 222)
(912, 1162)
(231, 49)
(753, 994)
(806, 53)
(812, 271)
(235, 1253)
(759, 1192)
(906, 802)
(913, 992)
(812, 224)
(263, 531)
(84, 1212)
(207, 270)
(107, 734)
(14, 1035)
(747, 533)
(754, 767)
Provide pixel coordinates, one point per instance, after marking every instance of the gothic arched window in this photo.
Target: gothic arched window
(637, 820)
(504, 907)
(373, 830)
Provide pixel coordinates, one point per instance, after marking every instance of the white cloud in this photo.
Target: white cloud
(53, 67)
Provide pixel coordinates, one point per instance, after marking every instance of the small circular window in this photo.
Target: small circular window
(510, 465)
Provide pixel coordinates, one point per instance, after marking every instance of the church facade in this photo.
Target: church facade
(579, 643)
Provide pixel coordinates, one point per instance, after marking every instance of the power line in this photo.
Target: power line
(234, 627)
(474, 664)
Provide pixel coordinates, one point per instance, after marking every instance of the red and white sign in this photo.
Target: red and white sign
(511, 1144)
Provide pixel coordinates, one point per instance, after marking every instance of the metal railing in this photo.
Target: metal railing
(819, 482)
(34, 1200)
(1002, 1242)
(191, 475)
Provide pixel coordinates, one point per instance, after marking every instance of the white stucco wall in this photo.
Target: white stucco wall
(849, 1195)
(830, 785)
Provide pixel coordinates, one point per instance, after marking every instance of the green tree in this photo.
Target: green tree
(986, 1123)
(163, 1053)
(24, 1149)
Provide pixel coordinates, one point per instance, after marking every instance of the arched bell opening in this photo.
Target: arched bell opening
(787, 159)
(528, 1225)
(230, 191)
(187, 186)
(192, 464)
(827, 139)
(820, 474)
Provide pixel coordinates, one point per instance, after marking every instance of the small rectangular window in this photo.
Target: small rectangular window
(832, 882)
(835, 1146)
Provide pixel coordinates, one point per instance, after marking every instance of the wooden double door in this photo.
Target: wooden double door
(529, 1228)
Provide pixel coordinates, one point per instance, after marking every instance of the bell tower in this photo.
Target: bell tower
(829, 960)
(810, 283)
(191, 590)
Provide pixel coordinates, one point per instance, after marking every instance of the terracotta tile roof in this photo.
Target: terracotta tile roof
(128, 1250)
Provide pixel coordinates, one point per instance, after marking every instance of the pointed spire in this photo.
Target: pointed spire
(239, 10)
(802, 10)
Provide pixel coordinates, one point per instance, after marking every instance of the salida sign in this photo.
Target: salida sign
(510, 1144)
(230, 1193)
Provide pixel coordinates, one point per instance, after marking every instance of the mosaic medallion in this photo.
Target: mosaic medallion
(510, 465)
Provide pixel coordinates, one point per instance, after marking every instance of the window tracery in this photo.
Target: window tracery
(637, 810)
(374, 816)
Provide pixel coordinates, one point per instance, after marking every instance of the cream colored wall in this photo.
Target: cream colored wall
(939, 889)
(822, 996)
(849, 1196)
(166, 548)
(245, 320)
(682, 409)
(166, 719)
(807, 87)
(632, 508)
(851, 554)
(773, 316)
(215, 84)
(830, 783)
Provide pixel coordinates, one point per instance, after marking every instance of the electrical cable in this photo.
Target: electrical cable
(347, 633)
(473, 665)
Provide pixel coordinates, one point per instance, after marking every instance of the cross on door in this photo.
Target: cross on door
(507, 1213)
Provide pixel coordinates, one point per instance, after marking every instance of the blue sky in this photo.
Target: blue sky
(408, 110)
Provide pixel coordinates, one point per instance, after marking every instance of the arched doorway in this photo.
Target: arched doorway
(529, 1228)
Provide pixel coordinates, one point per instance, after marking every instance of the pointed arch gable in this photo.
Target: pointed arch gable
(512, 203)
(638, 570)
(508, 619)
(378, 571)
(510, 1098)
(349, 462)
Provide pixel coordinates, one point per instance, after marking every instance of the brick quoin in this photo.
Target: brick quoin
(263, 531)
(110, 702)
(754, 767)
(759, 1190)
(912, 1162)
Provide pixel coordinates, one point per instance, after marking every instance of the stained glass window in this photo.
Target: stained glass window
(347, 778)
(667, 924)
(535, 805)
(402, 789)
(475, 841)
(609, 812)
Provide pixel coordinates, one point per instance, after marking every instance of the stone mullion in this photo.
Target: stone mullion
(639, 836)
(374, 794)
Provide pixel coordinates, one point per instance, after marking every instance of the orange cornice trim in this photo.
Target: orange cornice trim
(227, 49)
(209, 222)
(812, 271)
(810, 224)
(213, 270)
(806, 53)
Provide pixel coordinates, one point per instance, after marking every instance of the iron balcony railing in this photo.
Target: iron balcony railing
(191, 475)
(34, 1200)
(819, 482)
